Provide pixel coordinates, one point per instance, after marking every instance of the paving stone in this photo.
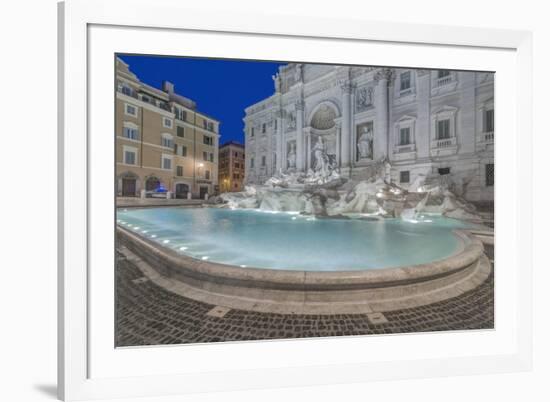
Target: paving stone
(377, 318)
(218, 311)
(147, 314)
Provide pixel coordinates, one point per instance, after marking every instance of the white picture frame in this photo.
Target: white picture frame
(90, 367)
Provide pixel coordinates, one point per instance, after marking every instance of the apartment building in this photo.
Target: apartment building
(231, 167)
(164, 145)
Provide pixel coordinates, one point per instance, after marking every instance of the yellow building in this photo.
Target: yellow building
(231, 167)
(164, 145)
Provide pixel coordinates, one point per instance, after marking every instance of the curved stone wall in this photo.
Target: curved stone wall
(314, 292)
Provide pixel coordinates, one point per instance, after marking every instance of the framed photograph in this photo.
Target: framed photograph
(248, 203)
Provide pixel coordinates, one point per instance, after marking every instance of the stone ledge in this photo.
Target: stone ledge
(325, 293)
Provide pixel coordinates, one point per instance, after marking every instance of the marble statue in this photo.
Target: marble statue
(291, 121)
(364, 143)
(291, 157)
(321, 159)
(364, 98)
(387, 170)
(277, 82)
(298, 73)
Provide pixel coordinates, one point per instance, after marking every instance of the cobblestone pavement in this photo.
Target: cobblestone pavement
(150, 315)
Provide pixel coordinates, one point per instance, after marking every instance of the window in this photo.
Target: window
(166, 122)
(180, 114)
(489, 121)
(211, 157)
(207, 140)
(127, 90)
(405, 81)
(180, 131)
(490, 174)
(443, 129)
(252, 131)
(404, 176)
(207, 174)
(166, 163)
(130, 157)
(236, 176)
(405, 136)
(444, 171)
(443, 73)
(263, 128)
(275, 124)
(183, 150)
(131, 110)
(210, 126)
(179, 171)
(205, 156)
(167, 141)
(251, 162)
(130, 132)
(263, 160)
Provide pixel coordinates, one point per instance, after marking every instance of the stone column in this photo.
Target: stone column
(338, 143)
(307, 161)
(346, 127)
(466, 120)
(281, 154)
(381, 133)
(422, 137)
(300, 154)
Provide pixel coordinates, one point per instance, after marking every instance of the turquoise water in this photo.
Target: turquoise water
(251, 238)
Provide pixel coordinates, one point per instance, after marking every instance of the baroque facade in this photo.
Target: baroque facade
(423, 122)
(162, 141)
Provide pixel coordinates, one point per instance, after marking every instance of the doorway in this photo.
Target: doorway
(128, 187)
(182, 190)
(202, 192)
(152, 184)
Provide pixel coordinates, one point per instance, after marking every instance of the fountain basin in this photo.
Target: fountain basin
(308, 291)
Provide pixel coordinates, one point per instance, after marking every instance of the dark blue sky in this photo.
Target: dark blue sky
(221, 88)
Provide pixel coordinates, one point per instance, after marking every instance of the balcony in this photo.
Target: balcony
(145, 98)
(444, 143)
(486, 139)
(128, 92)
(403, 148)
(443, 146)
(442, 81)
(404, 151)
